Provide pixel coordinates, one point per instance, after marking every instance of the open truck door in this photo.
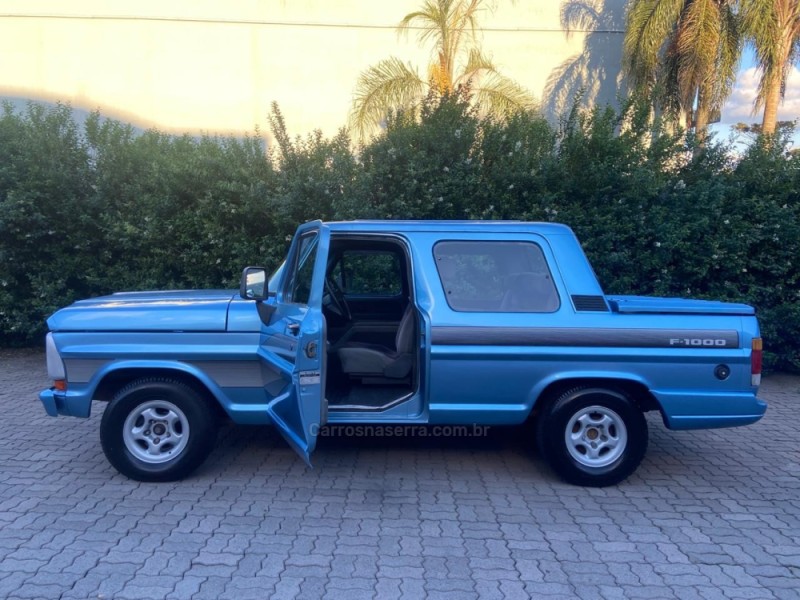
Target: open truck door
(293, 343)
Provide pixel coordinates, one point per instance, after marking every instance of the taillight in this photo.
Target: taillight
(755, 361)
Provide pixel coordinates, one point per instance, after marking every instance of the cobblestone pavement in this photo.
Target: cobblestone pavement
(709, 514)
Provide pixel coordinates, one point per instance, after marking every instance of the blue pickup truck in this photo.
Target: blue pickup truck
(406, 322)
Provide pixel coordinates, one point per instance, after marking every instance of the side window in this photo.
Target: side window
(486, 276)
(369, 273)
(298, 284)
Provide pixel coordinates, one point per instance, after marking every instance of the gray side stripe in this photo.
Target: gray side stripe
(700, 339)
(81, 370)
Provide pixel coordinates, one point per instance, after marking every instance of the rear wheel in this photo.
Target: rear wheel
(157, 430)
(593, 436)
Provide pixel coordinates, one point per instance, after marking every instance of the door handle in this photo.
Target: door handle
(293, 328)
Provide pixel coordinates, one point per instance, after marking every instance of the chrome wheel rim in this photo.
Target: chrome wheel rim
(596, 436)
(156, 431)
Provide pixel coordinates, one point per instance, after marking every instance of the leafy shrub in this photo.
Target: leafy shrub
(177, 211)
(422, 167)
(48, 221)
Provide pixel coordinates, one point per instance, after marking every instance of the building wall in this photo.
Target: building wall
(205, 65)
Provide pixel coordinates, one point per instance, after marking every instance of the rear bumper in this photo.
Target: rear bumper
(72, 403)
(709, 411)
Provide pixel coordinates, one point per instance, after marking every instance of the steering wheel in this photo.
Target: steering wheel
(336, 295)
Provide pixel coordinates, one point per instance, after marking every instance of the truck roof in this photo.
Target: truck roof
(475, 226)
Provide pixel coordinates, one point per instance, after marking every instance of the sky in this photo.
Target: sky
(739, 106)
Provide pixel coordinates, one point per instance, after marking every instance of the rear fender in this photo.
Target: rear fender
(551, 387)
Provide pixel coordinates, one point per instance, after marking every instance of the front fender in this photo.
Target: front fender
(77, 400)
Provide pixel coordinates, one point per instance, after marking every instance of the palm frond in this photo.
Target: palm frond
(770, 29)
(730, 50)
(648, 24)
(494, 93)
(697, 45)
(668, 78)
(462, 20)
(761, 21)
(794, 51)
(433, 21)
(392, 84)
(389, 84)
(477, 63)
(430, 19)
(500, 96)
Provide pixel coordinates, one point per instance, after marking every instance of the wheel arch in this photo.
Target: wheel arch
(119, 375)
(634, 389)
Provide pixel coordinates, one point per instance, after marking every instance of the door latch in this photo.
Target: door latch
(293, 328)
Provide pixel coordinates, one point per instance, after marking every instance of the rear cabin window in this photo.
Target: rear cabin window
(480, 276)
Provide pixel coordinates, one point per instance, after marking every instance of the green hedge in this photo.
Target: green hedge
(101, 208)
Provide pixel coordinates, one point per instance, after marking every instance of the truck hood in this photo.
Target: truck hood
(183, 310)
(675, 306)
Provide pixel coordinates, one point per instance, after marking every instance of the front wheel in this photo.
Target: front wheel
(593, 436)
(157, 430)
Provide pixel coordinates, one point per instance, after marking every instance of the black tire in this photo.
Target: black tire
(607, 436)
(182, 435)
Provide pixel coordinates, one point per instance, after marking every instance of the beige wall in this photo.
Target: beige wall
(222, 77)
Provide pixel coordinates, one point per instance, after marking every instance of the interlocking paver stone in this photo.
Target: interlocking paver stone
(709, 515)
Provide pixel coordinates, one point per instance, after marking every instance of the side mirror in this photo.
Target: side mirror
(253, 285)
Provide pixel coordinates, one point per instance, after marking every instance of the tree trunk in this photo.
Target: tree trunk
(772, 89)
(701, 123)
(772, 98)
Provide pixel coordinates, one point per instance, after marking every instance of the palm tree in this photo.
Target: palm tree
(688, 50)
(773, 27)
(451, 27)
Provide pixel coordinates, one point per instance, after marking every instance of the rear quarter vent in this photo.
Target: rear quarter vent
(584, 303)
